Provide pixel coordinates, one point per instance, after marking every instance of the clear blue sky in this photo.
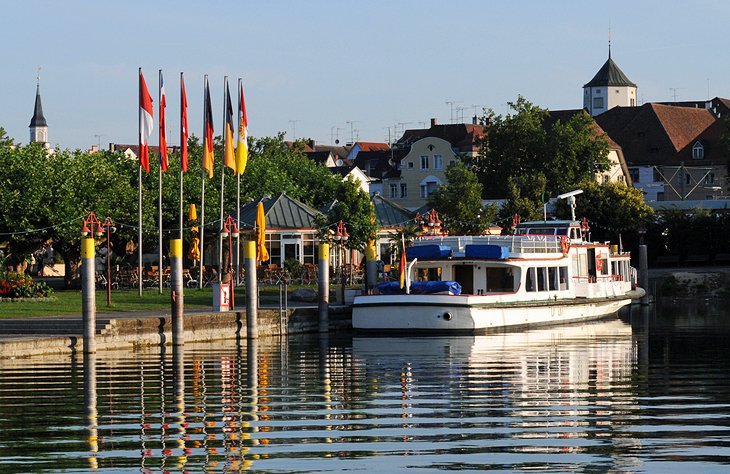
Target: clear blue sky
(310, 67)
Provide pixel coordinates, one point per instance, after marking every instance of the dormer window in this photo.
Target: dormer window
(698, 151)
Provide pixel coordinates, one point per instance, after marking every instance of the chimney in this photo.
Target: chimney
(475, 120)
(311, 144)
(433, 121)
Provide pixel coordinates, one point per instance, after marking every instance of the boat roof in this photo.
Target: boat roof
(551, 223)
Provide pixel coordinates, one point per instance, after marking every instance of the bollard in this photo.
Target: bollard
(644, 273)
(177, 298)
(324, 286)
(371, 269)
(249, 255)
(88, 293)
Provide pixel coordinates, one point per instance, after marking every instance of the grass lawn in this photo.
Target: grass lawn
(69, 301)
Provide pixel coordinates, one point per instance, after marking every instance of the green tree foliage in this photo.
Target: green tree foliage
(525, 198)
(353, 207)
(459, 203)
(274, 167)
(528, 143)
(612, 209)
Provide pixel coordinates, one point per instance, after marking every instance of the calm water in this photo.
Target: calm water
(644, 393)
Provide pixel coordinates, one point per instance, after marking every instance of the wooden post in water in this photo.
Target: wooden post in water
(176, 292)
(88, 293)
(371, 269)
(249, 257)
(324, 286)
(644, 273)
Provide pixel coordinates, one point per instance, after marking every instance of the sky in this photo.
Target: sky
(343, 70)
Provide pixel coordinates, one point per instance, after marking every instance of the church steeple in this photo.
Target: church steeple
(38, 125)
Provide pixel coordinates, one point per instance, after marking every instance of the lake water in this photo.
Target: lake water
(646, 392)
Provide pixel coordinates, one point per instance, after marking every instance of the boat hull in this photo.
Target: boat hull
(475, 314)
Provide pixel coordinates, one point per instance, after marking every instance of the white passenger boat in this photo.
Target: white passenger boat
(547, 273)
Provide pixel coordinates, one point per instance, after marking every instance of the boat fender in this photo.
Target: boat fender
(448, 316)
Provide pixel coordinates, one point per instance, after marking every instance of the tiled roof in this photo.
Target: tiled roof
(610, 75)
(318, 156)
(372, 146)
(464, 137)
(663, 134)
(383, 167)
(390, 214)
(282, 212)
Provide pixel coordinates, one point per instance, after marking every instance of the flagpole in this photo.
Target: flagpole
(238, 197)
(202, 186)
(159, 188)
(182, 137)
(139, 182)
(223, 178)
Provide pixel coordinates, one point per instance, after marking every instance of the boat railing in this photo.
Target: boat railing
(517, 244)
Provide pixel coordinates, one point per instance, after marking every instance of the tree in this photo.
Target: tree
(355, 209)
(525, 198)
(459, 203)
(612, 209)
(528, 143)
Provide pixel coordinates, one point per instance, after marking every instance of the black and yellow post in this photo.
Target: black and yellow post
(177, 299)
(371, 268)
(249, 254)
(324, 286)
(88, 293)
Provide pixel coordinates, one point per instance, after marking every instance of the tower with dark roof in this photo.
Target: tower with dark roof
(609, 88)
(38, 125)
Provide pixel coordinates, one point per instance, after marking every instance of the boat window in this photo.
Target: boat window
(429, 274)
(553, 278)
(531, 279)
(500, 280)
(541, 279)
(563, 275)
(562, 232)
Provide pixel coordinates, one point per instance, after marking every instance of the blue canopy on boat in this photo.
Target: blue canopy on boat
(420, 288)
(428, 251)
(486, 251)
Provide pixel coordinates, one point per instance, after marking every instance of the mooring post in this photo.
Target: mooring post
(644, 273)
(371, 268)
(252, 327)
(177, 298)
(88, 293)
(324, 286)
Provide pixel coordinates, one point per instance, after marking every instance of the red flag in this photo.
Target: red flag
(146, 123)
(163, 126)
(208, 156)
(183, 125)
(402, 276)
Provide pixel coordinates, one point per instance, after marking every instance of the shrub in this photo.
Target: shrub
(293, 267)
(19, 285)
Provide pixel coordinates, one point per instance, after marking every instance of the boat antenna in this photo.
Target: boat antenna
(570, 196)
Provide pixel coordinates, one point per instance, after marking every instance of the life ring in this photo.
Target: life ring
(564, 244)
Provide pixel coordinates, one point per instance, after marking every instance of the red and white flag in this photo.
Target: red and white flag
(183, 125)
(146, 123)
(163, 126)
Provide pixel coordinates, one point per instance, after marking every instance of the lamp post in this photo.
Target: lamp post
(434, 223)
(91, 224)
(341, 237)
(230, 230)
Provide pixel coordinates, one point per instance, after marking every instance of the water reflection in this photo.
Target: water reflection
(639, 394)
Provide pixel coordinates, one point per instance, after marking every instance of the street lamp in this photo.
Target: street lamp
(230, 230)
(91, 224)
(341, 237)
